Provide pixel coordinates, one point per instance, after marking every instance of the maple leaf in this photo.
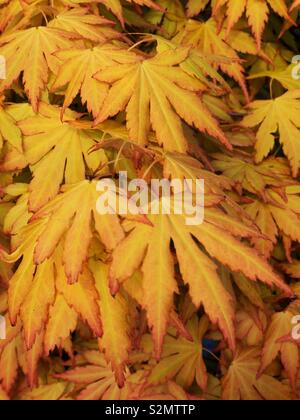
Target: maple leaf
(97, 378)
(134, 287)
(115, 340)
(72, 212)
(182, 359)
(11, 9)
(251, 326)
(86, 63)
(282, 115)
(49, 392)
(21, 280)
(205, 37)
(38, 293)
(88, 26)
(180, 166)
(14, 355)
(281, 215)
(9, 365)
(196, 64)
(255, 178)
(282, 75)
(16, 14)
(169, 391)
(257, 12)
(156, 91)
(241, 382)
(52, 143)
(280, 328)
(197, 269)
(30, 51)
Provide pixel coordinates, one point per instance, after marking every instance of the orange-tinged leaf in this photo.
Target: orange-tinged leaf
(156, 91)
(241, 382)
(280, 114)
(21, 281)
(115, 341)
(88, 26)
(73, 212)
(182, 359)
(20, 285)
(50, 392)
(56, 151)
(9, 365)
(159, 282)
(34, 310)
(257, 13)
(250, 329)
(197, 270)
(280, 327)
(97, 375)
(238, 256)
(85, 64)
(30, 51)
(206, 38)
(62, 321)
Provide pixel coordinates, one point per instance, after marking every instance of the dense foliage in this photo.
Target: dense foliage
(134, 307)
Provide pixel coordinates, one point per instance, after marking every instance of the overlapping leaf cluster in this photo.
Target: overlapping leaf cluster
(117, 307)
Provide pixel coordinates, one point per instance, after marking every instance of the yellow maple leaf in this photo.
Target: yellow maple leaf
(197, 269)
(207, 39)
(182, 359)
(88, 26)
(280, 328)
(282, 115)
(56, 151)
(71, 213)
(257, 12)
(115, 340)
(157, 92)
(34, 290)
(97, 377)
(241, 382)
(29, 51)
(86, 63)
(275, 217)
